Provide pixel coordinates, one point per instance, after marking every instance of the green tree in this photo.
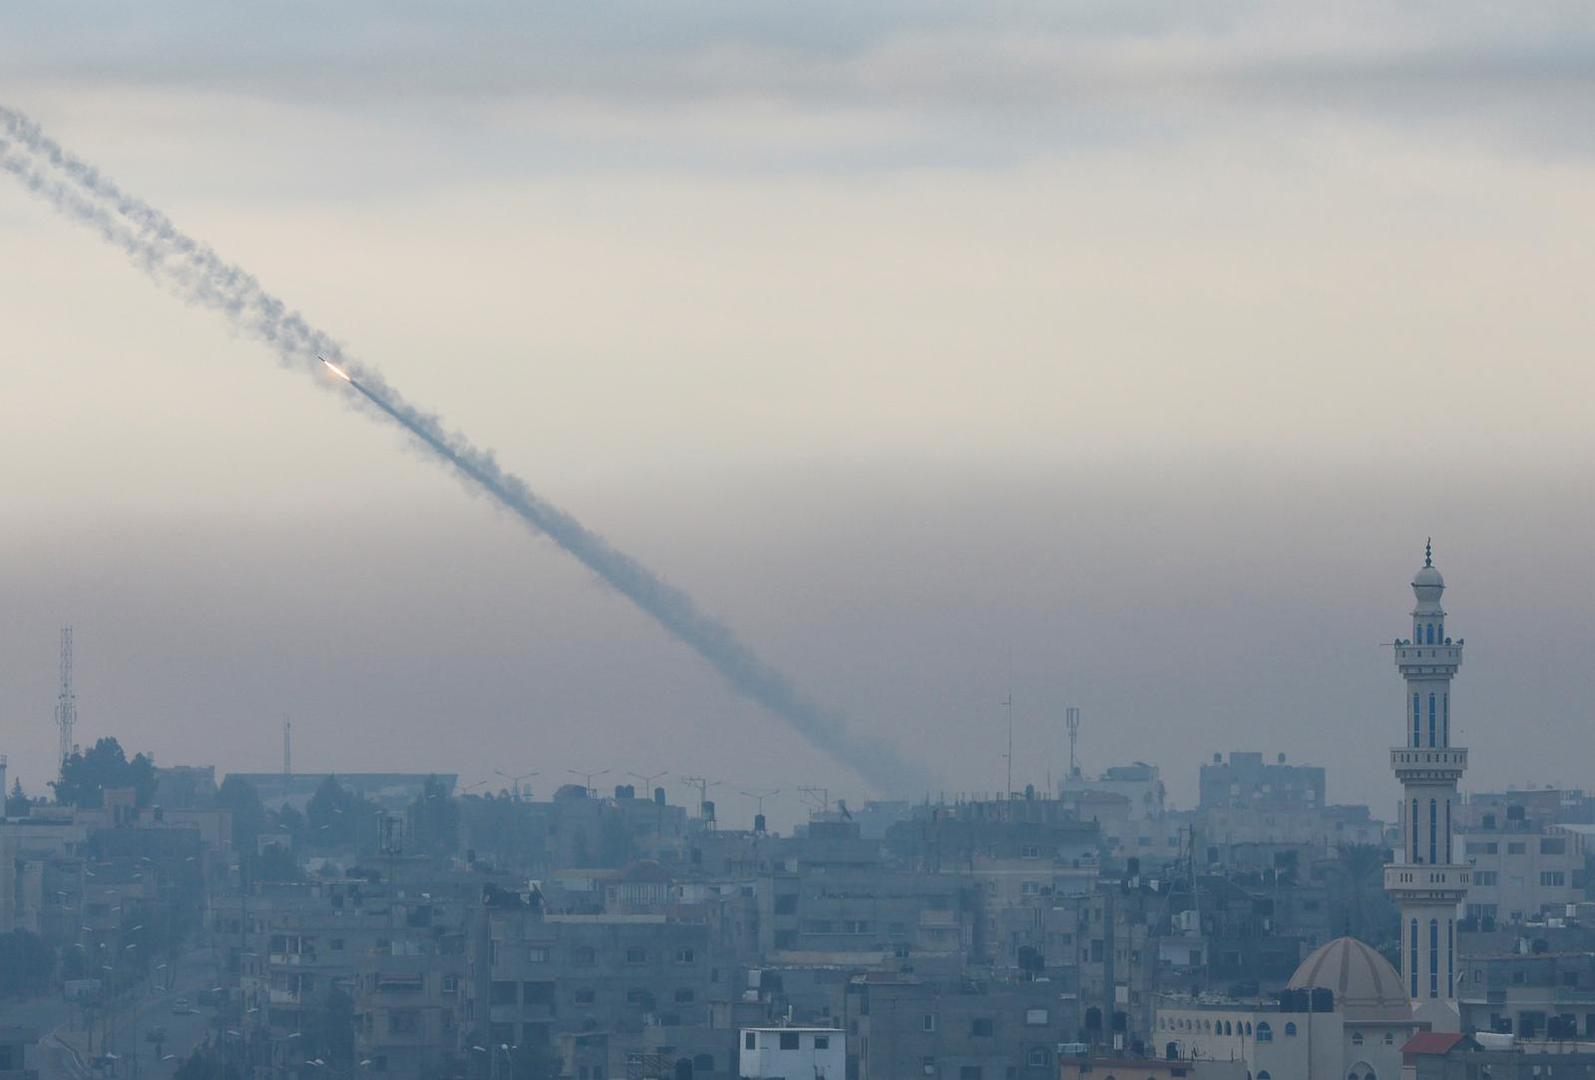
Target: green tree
(333, 815)
(26, 964)
(17, 803)
(434, 819)
(87, 774)
(239, 796)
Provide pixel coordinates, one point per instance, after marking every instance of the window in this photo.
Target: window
(789, 1040)
(927, 1022)
(685, 994)
(685, 956)
(636, 954)
(1290, 1028)
(1434, 958)
(1432, 733)
(1356, 1038)
(1035, 1017)
(583, 956)
(404, 1022)
(1553, 878)
(822, 1042)
(748, 1041)
(969, 1072)
(1264, 1032)
(537, 954)
(1553, 845)
(587, 996)
(981, 1027)
(1030, 888)
(1036, 1057)
(1030, 851)
(637, 995)
(451, 984)
(502, 993)
(1516, 848)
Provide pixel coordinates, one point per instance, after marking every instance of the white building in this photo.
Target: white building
(1345, 1014)
(793, 1053)
(1428, 883)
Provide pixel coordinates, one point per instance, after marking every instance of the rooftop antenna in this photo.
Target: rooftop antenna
(659, 805)
(66, 704)
(287, 747)
(819, 797)
(1071, 723)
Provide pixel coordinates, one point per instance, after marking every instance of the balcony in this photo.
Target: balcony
(1418, 763)
(1444, 884)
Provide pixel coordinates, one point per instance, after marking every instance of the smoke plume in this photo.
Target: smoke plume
(196, 275)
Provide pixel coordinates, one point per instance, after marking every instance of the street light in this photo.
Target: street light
(515, 781)
(588, 777)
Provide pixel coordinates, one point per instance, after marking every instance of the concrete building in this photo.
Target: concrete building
(1428, 883)
(1246, 782)
(790, 1053)
(1139, 783)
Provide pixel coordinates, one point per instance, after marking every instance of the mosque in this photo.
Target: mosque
(1347, 1012)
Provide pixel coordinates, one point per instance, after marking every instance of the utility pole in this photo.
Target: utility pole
(66, 704)
(588, 778)
(758, 795)
(703, 784)
(818, 796)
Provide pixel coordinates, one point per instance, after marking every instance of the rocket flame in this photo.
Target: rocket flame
(336, 370)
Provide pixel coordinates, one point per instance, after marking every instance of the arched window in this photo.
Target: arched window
(1417, 722)
(1412, 956)
(1417, 852)
(1356, 1038)
(1290, 1027)
(1434, 958)
(1445, 719)
(1433, 726)
(1227, 1030)
(1172, 1051)
(1430, 640)
(1248, 1027)
(1264, 1032)
(1450, 955)
(1264, 1075)
(1448, 832)
(1434, 830)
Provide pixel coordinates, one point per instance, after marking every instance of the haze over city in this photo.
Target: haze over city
(1119, 356)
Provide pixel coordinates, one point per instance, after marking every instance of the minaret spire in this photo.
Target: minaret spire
(1428, 551)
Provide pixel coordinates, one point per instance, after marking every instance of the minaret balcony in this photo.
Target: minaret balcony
(1431, 764)
(1420, 660)
(1442, 883)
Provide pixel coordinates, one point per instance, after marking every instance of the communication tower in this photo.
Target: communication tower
(66, 704)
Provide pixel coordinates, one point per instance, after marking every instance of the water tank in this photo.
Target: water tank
(659, 796)
(706, 811)
(758, 823)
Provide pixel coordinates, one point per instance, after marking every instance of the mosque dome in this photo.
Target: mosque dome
(1365, 986)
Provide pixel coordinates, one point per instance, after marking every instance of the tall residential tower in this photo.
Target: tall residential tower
(1426, 884)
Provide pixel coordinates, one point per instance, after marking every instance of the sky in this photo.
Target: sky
(1119, 355)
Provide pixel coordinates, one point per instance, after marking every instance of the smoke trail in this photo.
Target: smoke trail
(195, 274)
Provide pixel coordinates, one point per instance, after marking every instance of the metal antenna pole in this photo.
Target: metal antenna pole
(1007, 703)
(1071, 721)
(703, 784)
(66, 705)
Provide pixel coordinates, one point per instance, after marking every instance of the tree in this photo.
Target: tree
(17, 803)
(435, 819)
(26, 964)
(330, 1032)
(239, 796)
(87, 774)
(333, 815)
(276, 863)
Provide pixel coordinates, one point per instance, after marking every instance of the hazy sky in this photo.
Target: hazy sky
(1121, 352)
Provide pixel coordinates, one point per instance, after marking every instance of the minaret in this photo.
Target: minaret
(1426, 884)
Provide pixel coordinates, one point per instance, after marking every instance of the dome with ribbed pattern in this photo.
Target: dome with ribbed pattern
(1365, 986)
